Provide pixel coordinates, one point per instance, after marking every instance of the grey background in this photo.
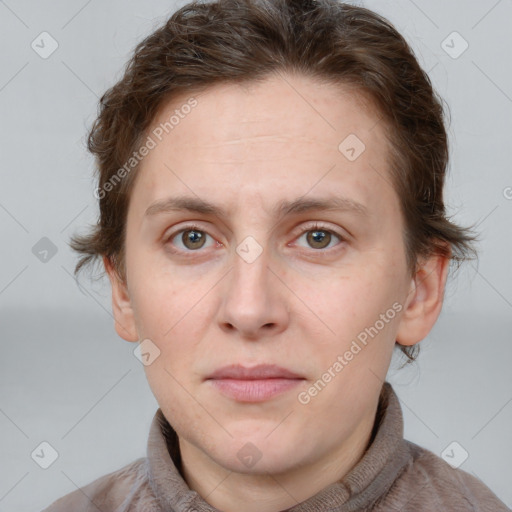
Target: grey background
(68, 379)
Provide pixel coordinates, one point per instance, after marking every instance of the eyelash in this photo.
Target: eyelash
(316, 226)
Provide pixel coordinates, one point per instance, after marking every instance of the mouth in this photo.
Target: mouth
(255, 384)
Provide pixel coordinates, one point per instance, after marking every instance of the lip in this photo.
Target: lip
(261, 371)
(255, 384)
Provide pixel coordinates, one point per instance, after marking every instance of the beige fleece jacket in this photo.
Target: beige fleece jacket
(393, 475)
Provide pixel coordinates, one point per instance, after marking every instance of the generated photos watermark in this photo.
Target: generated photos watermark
(152, 140)
(356, 346)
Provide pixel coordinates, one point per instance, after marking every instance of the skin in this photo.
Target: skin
(298, 305)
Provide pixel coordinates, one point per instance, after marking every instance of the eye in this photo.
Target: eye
(320, 237)
(191, 237)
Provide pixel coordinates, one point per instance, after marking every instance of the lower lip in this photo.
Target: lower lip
(254, 390)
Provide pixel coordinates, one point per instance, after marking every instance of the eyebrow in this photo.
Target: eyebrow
(284, 208)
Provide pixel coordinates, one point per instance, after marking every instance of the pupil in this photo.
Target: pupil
(193, 237)
(319, 236)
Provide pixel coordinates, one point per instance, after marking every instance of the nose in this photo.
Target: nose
(254, 298)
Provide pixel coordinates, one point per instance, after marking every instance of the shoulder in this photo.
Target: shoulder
(429, 483)
(118, 491)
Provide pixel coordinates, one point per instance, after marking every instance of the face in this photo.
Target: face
(249, 269)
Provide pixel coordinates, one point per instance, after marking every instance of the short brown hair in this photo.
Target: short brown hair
(236, 41)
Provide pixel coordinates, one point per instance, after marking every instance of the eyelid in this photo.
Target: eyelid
(320, 226)
(187, 227)
(309, 226)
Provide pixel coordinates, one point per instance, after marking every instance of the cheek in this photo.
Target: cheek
(170, 389)
(353, 297)
(352, 312)
(167, 309)
(159, 298)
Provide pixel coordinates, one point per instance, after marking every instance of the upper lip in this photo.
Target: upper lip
(261, 371)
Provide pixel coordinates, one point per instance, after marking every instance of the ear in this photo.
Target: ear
(121, 306)
(424, 300)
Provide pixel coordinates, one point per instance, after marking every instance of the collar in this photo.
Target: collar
(368, 480)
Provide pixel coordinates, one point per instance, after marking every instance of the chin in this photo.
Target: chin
(257, 454)
(267, 463)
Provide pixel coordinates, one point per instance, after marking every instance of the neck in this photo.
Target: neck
(230, 491)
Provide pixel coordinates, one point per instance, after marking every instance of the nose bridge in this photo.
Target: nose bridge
(250, 268)
(251, 300)
(251, 233)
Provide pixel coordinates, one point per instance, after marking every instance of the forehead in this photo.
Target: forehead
(282, 107)
(285, 135)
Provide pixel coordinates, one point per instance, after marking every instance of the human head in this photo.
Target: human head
(239, 41)
(270, 95)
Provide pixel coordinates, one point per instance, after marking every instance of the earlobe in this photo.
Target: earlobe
(424, 301)
(121, 305)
